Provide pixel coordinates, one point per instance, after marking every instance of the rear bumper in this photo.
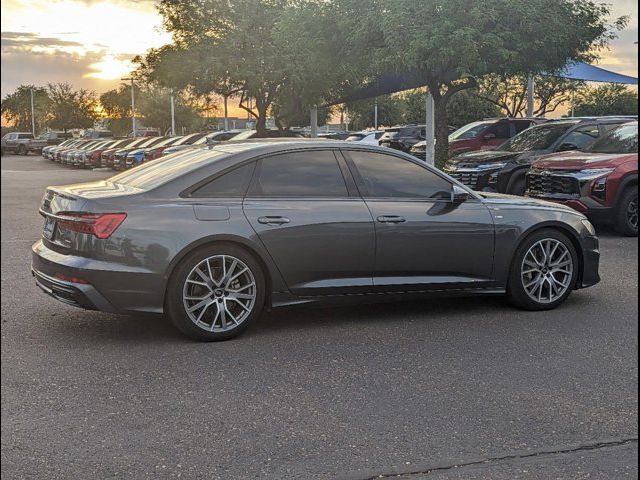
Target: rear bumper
(102, 285)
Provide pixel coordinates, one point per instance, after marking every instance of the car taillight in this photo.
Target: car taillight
(101, 225)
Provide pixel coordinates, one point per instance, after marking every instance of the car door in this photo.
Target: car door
(424, 240)
(311, 220)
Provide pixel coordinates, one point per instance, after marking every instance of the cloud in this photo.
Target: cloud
(27, 40)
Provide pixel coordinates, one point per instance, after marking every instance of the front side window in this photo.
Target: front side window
(621, 140)
(539, 137)
(299, 174)
(583, 136)
(386, 176)
(232, 184)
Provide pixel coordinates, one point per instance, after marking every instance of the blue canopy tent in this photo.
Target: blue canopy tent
(393, 83)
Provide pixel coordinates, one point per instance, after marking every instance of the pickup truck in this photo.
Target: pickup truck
(47, 139)
(16, 142)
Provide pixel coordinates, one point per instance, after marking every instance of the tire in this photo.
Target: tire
(543, 298)
(517, 186)
(212, 320)
(627, 213)
(22, 150)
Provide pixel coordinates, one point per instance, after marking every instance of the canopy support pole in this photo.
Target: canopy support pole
(314, 122)
(430, 131)
(530, 95)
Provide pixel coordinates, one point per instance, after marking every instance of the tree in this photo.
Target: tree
(464, 107)
(510, 93)
(116, 105)
(450, 45)
(270, 53)
(16, 107)
(609, 99)
(70, 108)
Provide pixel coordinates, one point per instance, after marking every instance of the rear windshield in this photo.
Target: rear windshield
(539, 137)
(153, 174)
(620, 140)
(470, 130)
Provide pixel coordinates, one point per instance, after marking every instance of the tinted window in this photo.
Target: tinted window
(232, 184)
(620, 140)
(25, 135)
(521, 125)
(502, 130)
(300, 174)
(385, 176)
(539, 137)
(583, 136)
(470, 130)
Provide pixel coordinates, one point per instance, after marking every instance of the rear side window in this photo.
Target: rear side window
(386, 176)
(299, 174)
(502, 130)
(24, 135)
(232, 184)
(583, 136)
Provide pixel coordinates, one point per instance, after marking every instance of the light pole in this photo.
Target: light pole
(375, 115)
(133, 106)
(173, 114)
(33, 115)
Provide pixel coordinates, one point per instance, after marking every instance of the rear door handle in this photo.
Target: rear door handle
(391, 219)
(273, 220)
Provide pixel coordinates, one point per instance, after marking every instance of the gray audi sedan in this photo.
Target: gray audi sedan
(213, 237)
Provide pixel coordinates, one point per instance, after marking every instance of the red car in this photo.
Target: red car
(601, 182)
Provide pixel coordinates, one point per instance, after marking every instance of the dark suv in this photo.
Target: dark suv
(503, 170)
(601, 182)
(403, 138)
(483, 135)
(16, 142)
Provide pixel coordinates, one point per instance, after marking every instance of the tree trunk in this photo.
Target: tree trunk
(441, 130)
(261, 123)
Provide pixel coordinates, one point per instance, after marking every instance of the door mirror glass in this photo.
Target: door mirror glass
(459, 194)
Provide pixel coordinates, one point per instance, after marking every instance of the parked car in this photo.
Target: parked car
(366, 137)
(59, 152)
(47, 152)
(136, 157)
(92, 157)
(15, 142)
(334, 135)
(47, 139)
(212, 237)
(250, 134)
(402, 138)
(97, 133)
(71, 155)
(503, 170)
(107, 156)
(483, 135)
(601, 182)
(120, 156)
(156, 152)
(208, 139)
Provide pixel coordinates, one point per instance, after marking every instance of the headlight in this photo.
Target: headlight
(589, 226)
(491, 166)
(593, 173)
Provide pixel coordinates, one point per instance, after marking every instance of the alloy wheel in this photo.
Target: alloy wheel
(547, 270)
(219, 293)
(632, 214)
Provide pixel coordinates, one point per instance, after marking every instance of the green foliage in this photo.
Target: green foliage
(362, 113)
(16, 108)
(69, 108)
(607, 100)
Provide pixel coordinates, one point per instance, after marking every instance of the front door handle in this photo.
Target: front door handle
(273, 220)
(391, 219)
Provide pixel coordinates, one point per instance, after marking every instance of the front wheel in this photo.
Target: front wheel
(22, 150)
(627, 213)
(544, 271)
(216, 292)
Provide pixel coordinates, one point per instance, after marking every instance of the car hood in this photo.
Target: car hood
(582, 160)
(500, 199)
(483, 157)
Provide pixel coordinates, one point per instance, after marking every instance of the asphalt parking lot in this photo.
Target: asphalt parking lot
(443, 389)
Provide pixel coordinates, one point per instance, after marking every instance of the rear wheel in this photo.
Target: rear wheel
(517, 186)
(627, 213)
(216, 292)
(543, 272)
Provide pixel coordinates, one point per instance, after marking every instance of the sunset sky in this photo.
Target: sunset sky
(90, 42)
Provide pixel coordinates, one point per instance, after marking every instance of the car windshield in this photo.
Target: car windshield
(539, 137)
(153, 174)
(620, 140)
(470, 130)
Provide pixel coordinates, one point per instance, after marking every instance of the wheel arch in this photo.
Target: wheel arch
(629, 180)
(563, 228)
(241, 242)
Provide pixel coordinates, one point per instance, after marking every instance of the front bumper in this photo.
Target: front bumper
(590, 262)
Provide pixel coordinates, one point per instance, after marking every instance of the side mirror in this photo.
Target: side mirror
(567, 147)
(489, 136)
(459, 195)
